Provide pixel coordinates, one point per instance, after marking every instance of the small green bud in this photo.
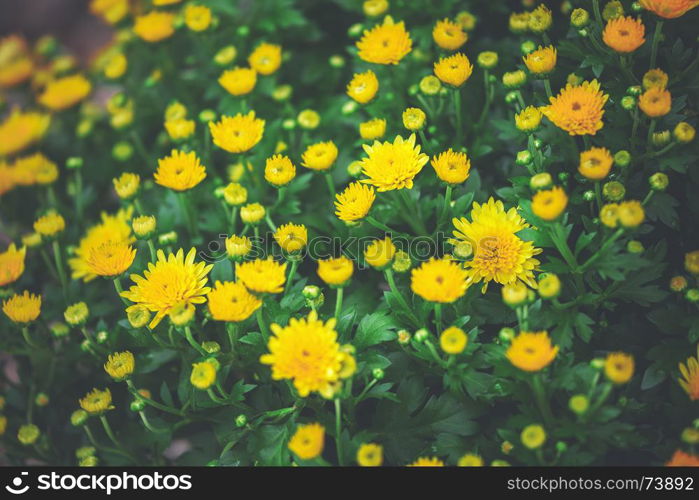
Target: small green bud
(628, 102)
(168, 238)
(207, 115)
(563, 176)
(579, 18)
(597, 363)
(506, 334)
(78, 418)
(355, 30)
(540, 181)
(511, 97)
(561, 447)
(692, 295)
(137, 405)
(377, 373)
(241, 420)
(211, 347)
(589, 195)
(579, 404)
(659, 181)
(421, 335)
(622, 158)
(243, 30)
(527, 47)
(613, 191)
(634, 90)
(102, 336)
(311, 291)
(41, 399)
(523, 158)
(336, 61)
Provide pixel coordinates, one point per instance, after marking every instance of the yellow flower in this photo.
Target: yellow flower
(154, 26)
(158, 3)
(238, 81)
(235, 194)
(76, 314)
(499, 254)
(120, 365)
(515, 294)
(372, 129)
(308, 119)
(7, 178)
(624, 34)
(97, 402)
(34, 169)
(127, 185)
(291, 237)
(363, 87)
(370, 455)
(533, 436)
(529, 119)
(427, 462)
(11, 264)
(307, 442)
(379, 253)
(691, 261)
(595, 163)
(65, 92)
(335, 271)
(279, 171)
(305, 351)
(549, 204)
(690, 376)
(549, 286)
(50, 224)
(531, 351)
(519, 22)
(3, 424)
(180, 171)
(15, 71)
(239, 133)
(578, 109)
(453, 340)
(655, 102)
(252, 213)
(266, 58)
(430, 85)
(453, 70)
(390, 166)
(225, 55)
(487, 59)
(179, 128)
(170, 280)
(669, 9)
(231, 301)
(28, 434)
(655, 78)
(375, 8)
(238, 247)
(448, 35)
(631, 213)
(414, 119)
(23, 308)
(319, 156)
(450, 167)
(21, 130)
(138, 315)
(470, 460)
(111, 259)
(609, 214)
(439, 280)
(203, 375)
(175, 111)
(197, 17)
(684, 133)
(116, 66)
(619, 367)
(112, 11)
(541, 61)
(540, 19)
(354, 202)
(385, 43)
(262, 275)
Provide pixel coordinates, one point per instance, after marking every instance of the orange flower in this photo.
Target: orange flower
(624, 34)
(578, 109)
(655, 102)
(669, 9)
(682, 459)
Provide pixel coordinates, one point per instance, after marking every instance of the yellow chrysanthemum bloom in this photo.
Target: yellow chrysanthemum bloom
(655, 102)
(120, 365)
(23, 308)
(363, 87)
(529, 119)
(116, 66)
(691, 261)
(238, 247)
(154, 26)
(414, 119)
(549, 204)
(97, 402)
(111, 259)
(373, 8)
(609, 215)
(540, 19)
(11, 264)
(239, 133)
(279, 171)
(112, 11)
(531, 351)
(533, 436)
(7, 178)
(669, 9)
(203, 375)
(595, 163)
(336, 272)
(448, 35)
(390, 166)
(76, 314)
(385, 43)
(499, 254)
(655, 78)
(631, 213)
(33, 169)
(179, 128)
(541, 61)
(372, 129)
(451, 167)
(15, 71)
(291, 237)
(578, 109)
(470, 460)
(453, 70)
(619, 367)
(235, 194)
(172, 279)
(231, 301)
(138, 315)
(65, 92)
(180, 171)
(50, 224)
(21, 130)
(319, 156)
(624, 34)
(354, 202)
(127, 185)
(175, 111)
(266, 58)
(379, 253)
(308, 440)
(308, 119)
(262, 275)
(453, 340)
(439, 280)
(252, 213)
(197, 17)
(427, 462)
(689, 379)
(370, 455)
(306, 351)
(519, 22)
(238, 81)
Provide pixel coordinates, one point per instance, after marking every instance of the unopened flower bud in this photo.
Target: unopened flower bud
(579, 404)
(506, 334)
(523, 158)
(622, 158)
(78, 418)
(211, 347)
(634, 246)
(658, 181)
(241, 420)
(540, 181)
(613, 191)
(678, 283)
(137, 405)
(377, 373)
(628, 102)
(403, 337)
(579, 18)
(421, 335)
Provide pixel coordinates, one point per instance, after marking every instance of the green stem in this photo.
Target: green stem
(331, 184)
(27, 338)
(435, 354)
(185, 206)
(149, 426)
(59, 268)
(602, 249)
(598, 194)
(396, 293)
(192, 342)
(606, 391)
(108, 430)
(338, 430)
(366, 389)
(655, 43)
(541, 400)
(148, 401)
(270, 224)
(380, 225)
(338, 302)
(232, 331)
(423, 139)
(651, 130)
(438, 316)
(79, 193)
(234, 219)
(488, 99)
(261, 323)
(292, 273)
(214, 397)
(459, 119)
(411, 216)
(140, 147)
(598, 14)
(119, 290)
(151, 248)
(547, 86)
(559, 238)
(447, 204)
